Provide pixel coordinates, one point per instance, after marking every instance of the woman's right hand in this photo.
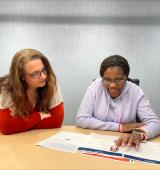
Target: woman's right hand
(127, 127)
(128, 139)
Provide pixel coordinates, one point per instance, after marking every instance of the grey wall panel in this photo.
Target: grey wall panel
(76, 35)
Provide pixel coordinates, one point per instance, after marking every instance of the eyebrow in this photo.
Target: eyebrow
(114, 78)
(37, 70)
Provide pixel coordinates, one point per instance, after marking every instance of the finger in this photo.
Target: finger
(137, 140)
(125, 139)
(118, 142)
(12, 110)
(137, 144)
(130, 141)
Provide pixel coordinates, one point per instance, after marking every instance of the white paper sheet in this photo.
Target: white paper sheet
(147, 150)
(64, 141)
(97, 141)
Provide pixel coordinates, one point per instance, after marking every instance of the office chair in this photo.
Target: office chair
(136, 81)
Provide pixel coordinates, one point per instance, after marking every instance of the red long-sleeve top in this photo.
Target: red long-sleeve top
(12, 124)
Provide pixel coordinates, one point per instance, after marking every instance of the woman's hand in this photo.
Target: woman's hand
(44, 115)
(128, 139)
(12, 110)
(131, 126)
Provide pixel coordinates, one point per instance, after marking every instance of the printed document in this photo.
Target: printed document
(64, 141)
(147, 150)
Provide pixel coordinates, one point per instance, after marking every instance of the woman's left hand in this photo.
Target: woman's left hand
(127, 127)
(128, 139)
(12, 110)
(44, 115)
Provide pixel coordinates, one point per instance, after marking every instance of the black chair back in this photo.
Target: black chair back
(136, 81)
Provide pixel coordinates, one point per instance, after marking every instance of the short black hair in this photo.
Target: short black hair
(115, 60)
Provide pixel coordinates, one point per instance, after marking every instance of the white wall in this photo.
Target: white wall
(76, 35)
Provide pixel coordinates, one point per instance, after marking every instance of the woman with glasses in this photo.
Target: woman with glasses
(113, 103)
(30, 97)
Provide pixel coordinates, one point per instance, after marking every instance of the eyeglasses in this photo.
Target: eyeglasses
(37, 74)
(116, 81)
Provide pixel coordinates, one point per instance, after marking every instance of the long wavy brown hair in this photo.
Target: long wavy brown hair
(15, 85)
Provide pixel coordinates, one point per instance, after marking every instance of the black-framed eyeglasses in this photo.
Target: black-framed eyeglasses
(37, 74)
(118, 81)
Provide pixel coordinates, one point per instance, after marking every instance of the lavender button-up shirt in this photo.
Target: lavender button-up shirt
(100, 111)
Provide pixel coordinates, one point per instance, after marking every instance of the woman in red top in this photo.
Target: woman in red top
(30, 97)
